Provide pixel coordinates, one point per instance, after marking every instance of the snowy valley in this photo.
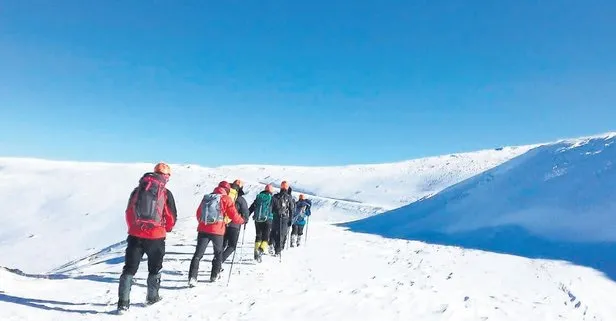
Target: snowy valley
(518, 233)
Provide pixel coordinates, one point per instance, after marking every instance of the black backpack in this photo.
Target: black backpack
(149, 200)
(285, 205)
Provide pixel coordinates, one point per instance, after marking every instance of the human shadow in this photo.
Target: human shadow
(556, 202)
(44, 304)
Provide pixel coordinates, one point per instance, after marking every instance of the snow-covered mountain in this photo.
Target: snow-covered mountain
(63, 226)
(556, 201)
(79, 207)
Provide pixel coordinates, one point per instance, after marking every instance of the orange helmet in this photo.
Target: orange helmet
(284, 185)
(269, 188)
(238, 182)
(301, 196)
(162, 168)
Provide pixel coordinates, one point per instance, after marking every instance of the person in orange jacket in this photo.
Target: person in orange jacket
(147, 229)
(214, 211)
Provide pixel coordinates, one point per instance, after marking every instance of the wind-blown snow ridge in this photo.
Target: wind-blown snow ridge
(557, 201)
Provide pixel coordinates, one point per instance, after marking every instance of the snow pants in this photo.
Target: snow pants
(297, 229)
(136, 247)
(262, 238)
(203, 240)
(280, 227)
(232, 234)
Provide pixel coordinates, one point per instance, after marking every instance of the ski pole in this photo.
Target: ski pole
(307, 223)
(231, 268)
(242, 248)
(280, 238)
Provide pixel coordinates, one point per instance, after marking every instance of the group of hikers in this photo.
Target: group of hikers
(151, 213)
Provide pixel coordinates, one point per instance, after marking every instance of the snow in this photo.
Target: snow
(556, 201)
(337, 275)
(513, 233)
(79, 207)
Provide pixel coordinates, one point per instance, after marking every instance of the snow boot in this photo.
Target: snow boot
(298, 239)
(292, 240)
(153, 286)
(192, 282)
(124, 292)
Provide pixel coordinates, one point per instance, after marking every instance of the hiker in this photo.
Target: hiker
(283, 207)
(302, 210)
(232, 232)
(263, 216)
(215, 209)
(150, 214)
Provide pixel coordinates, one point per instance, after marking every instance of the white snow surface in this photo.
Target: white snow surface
(63, 231)
(564, 191)
(79, 207)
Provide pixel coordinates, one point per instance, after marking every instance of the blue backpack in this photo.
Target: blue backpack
(211, 209)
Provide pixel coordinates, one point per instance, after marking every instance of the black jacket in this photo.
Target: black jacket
(277, 207)
(241, 205)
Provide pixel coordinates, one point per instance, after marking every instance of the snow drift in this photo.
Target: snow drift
(556, 201)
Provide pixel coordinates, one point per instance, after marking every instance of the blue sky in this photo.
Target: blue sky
(300, 82)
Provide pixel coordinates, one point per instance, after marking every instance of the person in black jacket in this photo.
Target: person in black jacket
(232, 233)
(283, 207)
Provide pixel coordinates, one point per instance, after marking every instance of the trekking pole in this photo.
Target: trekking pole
(231, 269)
(280, 239)
(242, 248)
(307, 223)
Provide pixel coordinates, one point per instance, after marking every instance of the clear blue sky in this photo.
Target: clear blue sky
(300, 82)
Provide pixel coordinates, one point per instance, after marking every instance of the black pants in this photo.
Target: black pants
(203, 239)
(297, 230)
(232, 234)
(263, 230)
(280, 227)
(136, 247)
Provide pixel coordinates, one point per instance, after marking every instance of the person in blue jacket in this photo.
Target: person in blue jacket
(302, 211)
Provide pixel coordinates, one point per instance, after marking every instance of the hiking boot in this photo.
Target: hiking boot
(192, 282)
(153, 286)
(126, 281)
(123, 306)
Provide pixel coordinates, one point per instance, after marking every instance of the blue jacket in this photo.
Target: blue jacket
(302, 210)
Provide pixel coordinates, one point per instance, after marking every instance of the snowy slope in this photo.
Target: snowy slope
(338, 275)
(556, 201)
(78, 207)
(388, 185)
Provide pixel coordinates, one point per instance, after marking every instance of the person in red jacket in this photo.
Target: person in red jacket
(150, 214)
(214, 211)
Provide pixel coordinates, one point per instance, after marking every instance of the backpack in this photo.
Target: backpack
(149, 200)
(262, 210)
(211, 209)
(233, 194)
(285, 205)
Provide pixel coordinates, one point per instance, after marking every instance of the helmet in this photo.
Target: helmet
(301, 196)
(269, 188)
(162, 168)
(225, 185)
(239, 183)
(284, 185)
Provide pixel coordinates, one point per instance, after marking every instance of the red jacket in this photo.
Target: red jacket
(157, 232)
(228, 210)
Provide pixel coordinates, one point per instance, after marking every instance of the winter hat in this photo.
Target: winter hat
(284, 185)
